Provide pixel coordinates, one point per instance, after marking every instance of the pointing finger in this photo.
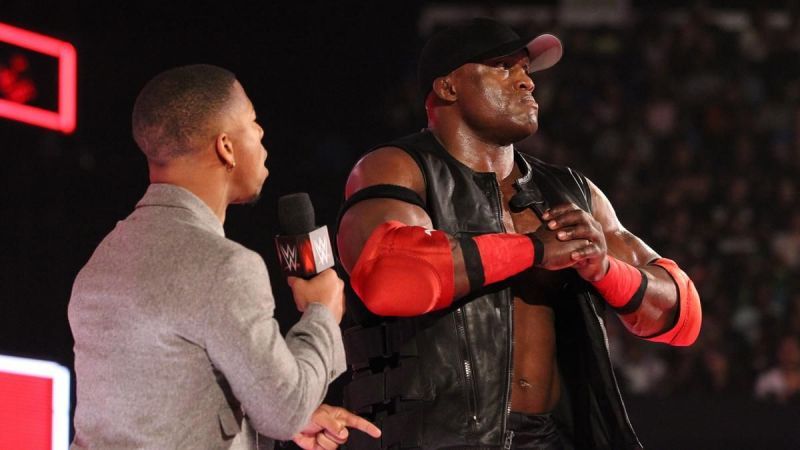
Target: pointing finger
(359, 423)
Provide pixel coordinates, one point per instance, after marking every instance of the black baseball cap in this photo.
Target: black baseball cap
(478, 40)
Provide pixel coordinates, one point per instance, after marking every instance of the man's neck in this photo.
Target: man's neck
(201, 183)
(477, 153)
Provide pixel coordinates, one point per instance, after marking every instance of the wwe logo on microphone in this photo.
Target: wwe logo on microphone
(321, 250)
(305, 255)
(288, 256)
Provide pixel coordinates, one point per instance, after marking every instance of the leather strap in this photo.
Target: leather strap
(380, 388)
(380, 341)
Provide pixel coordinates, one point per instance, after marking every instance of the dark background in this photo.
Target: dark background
(329, 80)
(317, 73)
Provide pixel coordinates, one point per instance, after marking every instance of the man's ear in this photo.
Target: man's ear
(224, 148)
(444, 89)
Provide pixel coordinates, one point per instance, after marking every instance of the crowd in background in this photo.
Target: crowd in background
(692, 130)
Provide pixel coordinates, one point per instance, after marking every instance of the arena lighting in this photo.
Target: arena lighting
(34, 404)
(64, 119)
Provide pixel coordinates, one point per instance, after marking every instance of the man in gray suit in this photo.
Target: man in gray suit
(175, 342)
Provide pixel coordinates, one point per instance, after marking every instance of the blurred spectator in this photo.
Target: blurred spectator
(786, 243)
(782, 382)
(642, 372)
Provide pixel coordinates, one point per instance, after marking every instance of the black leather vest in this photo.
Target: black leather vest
(443, 379)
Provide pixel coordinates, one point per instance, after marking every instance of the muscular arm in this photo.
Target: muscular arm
(670, 309)
(388, 165)
(659, 306)
(399, 266)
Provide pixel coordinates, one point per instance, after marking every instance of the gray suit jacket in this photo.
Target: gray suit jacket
(175, 337)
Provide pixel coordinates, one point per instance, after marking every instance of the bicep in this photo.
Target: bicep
(390, 166)
(621, 243)
(361, 219)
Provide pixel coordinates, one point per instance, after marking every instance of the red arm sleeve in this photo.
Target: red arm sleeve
(690, 314)
(404, 271)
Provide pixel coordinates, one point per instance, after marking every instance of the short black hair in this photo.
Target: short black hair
(176, 106)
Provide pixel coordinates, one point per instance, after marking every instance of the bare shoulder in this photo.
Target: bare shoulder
(621, 243)
(603, 210)
(386, 165)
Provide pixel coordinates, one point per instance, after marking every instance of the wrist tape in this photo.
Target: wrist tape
(622, 287)
(490, 258)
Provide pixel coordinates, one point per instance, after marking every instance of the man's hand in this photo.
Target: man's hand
(567, 240)
(328, 428)
(572, 224)
(326, 288)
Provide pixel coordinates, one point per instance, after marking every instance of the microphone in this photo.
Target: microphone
(303, 249)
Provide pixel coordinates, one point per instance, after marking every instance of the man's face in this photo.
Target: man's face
(496, 97)
(250, 155)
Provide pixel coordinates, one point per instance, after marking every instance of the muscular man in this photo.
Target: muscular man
(486, 272)
(175, 341)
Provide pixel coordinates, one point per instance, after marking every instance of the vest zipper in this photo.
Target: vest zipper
(469, 376)
(508, 440)
(510, 369)
(510, 327)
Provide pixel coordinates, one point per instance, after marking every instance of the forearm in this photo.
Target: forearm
(316, 340)
(317, 354)
(658, 310)
(279, 381)
(654, 297)
(656, 301)
(410, 270)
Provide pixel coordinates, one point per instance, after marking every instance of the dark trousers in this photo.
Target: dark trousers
(535, 431)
